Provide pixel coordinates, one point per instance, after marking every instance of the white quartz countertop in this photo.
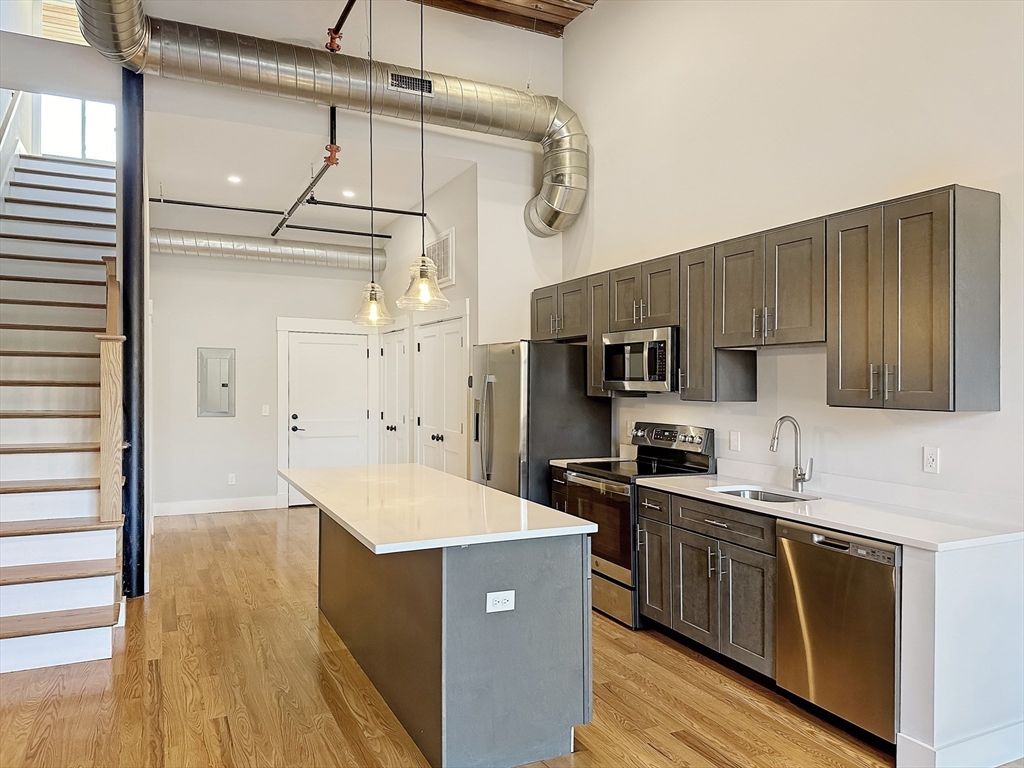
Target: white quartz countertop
(899, 525)
(405, 507)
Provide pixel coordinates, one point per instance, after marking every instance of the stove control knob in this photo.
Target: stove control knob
(699, 439)
(689, 438)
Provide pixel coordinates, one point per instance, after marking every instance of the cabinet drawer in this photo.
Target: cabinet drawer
(557, 480)
(653, 505)
(738, 526)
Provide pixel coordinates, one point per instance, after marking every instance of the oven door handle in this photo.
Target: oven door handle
(613, 489)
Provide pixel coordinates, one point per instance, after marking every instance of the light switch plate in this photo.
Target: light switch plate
(266, 410)
(930, 460)
(231, 479)
(734, 440)
(501, 601)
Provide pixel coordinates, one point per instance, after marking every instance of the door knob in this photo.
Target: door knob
(295, 415)
(298, 429)
(440, 438)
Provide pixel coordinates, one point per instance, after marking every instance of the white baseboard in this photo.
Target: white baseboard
(987, 750)
(202, 507)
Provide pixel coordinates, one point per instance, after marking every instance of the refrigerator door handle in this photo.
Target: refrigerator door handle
(487, 444)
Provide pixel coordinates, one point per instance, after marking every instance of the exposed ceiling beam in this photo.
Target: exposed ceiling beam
(547, 17)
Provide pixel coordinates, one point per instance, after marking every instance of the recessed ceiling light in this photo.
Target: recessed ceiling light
(234, 179)
(349, 193)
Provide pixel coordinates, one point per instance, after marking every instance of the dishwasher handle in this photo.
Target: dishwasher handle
(828, 541)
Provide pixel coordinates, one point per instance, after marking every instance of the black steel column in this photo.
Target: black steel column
(133, 291)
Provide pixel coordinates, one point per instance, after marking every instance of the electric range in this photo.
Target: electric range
(604, 492)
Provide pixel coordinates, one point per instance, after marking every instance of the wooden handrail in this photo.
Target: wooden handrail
(111, 405)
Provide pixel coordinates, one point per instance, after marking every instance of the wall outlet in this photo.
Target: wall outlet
(501, 601)
(266, 410)
(734, 440)
(931, 460)
(231, 479)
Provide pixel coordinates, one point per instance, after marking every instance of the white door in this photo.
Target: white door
(442, 396)
(394, 377)
(328, 402)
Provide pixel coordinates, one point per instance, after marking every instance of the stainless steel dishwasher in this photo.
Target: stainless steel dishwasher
(837, 624)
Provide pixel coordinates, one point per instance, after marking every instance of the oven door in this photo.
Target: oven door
(609, 505)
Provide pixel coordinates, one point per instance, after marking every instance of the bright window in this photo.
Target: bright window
(76, 128)
(100, 131)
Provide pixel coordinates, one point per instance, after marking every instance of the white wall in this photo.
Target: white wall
(711, 120)
(200, 302)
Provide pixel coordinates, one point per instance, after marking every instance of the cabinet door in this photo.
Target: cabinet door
(918, 335)
(625, 290)
(655, 570)
(854, 344)
(695, 587)
(597, 305)
(747, 598)
(794, 279)
(543, 308)
(572, 318)
(696, 340)
(739, 292)
(660, 292)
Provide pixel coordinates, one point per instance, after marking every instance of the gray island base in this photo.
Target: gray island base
(471, 688)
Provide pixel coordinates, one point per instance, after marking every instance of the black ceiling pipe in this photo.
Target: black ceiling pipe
(133, 287)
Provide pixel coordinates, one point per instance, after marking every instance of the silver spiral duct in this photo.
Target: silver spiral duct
(122, 32)
(178, 242)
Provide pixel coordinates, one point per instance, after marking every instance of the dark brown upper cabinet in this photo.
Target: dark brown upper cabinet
(645, 295)
(559, 311)
(597, 290)
(704, 372)
(770, 289)
(913, 308)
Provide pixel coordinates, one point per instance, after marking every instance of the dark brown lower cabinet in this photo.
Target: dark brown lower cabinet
(559, 493)
(655, 570)
(722, 595)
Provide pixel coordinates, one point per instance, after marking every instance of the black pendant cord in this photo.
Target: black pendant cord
(373, 245)
(423, 166)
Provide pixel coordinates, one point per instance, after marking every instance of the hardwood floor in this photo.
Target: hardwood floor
(228, 663)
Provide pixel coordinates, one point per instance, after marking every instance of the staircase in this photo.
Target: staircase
(60, 427)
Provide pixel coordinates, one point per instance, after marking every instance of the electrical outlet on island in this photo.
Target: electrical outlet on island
(501, 601)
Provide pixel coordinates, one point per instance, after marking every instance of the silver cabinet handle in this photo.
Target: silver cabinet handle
(556, 480)
(642, 311)
(872, 372)
(715, 522)
(711, 562)
(551, 323)
(634, 312)
(647, 505)
(557, 324)
(722, 572)
(754, 330)
(769, 328)
(682, 379)
(889, 372)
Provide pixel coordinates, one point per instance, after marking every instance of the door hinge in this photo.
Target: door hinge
(367, 354)
(462, 341)
(382, 415)
(382, 351)
(417, 346)
(417, 421)
(462, 428)
(367, 413)
(470, 381)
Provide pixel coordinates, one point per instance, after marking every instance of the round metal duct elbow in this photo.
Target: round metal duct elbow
(178, 242)
(122, 32)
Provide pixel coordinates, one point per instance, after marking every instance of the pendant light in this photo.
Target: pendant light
(423, 292)
(374, 310)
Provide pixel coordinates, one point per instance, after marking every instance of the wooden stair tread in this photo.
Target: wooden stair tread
(49, 414)
(56, 222)
(59, 204)
(55, 280)
(45, 383)
(52, 259)
(73, 569)
(49, 486)
(63, 175)
(45, 353)
(56, 525)
(21, 448)
(42, 303)
(43, 327)
(69, 161)
(52, 188)
(58, 240)
(58, 621)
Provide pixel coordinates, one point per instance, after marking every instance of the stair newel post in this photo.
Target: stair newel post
(111, 426)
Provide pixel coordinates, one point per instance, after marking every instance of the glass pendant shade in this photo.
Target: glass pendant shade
(374, 310)
(423, 292)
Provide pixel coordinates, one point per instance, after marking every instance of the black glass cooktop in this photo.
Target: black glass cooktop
(625, 470)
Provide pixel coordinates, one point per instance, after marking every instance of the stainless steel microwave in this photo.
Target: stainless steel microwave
(640, 361)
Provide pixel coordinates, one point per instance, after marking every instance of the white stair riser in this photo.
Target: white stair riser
(50, 430)
(43, 597)
(76, 182)
(18, 653)
(93, 294)
(64, 341)
(51, 212)
(49, 368)
(59, 269)
(58, 547)
(63, 250)
(46, 466)
(49, 398)
(63, 166)
(49, 229)
(55, 194)
(28, 313)
(46, 506)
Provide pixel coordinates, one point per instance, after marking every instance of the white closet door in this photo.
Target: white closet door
(442, 372)
(328, 402)
(395, 374)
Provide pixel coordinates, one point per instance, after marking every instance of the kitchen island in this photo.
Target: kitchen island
(468, 608)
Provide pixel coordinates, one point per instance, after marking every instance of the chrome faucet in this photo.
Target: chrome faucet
(800, 476)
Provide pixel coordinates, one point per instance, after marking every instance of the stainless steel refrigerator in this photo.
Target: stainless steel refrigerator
(530, 405)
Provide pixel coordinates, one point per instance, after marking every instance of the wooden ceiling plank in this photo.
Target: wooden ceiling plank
(527, 11)
(467, 8)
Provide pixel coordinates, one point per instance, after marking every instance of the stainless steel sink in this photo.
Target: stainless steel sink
(754, 493)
